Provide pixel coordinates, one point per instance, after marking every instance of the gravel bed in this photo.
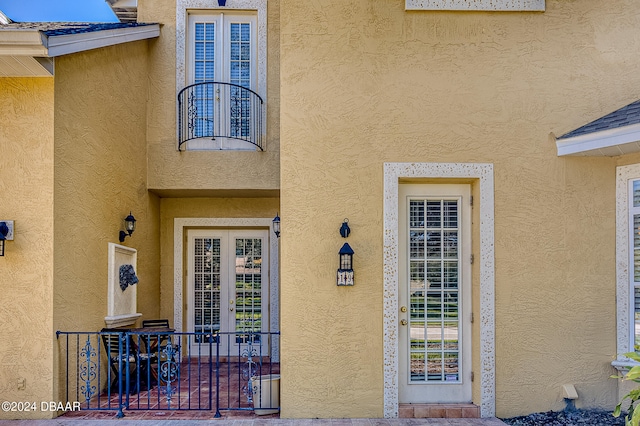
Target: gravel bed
(567, 418)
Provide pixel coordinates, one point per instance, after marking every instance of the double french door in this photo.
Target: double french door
(223, 49)
(227, 287)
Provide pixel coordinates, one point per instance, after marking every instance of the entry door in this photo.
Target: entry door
(434, 294)
(227, 287)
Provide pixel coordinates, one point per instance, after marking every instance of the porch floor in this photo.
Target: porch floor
(193, 396)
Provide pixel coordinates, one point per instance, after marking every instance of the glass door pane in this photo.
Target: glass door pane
(248, 287)
(207, 280)
(434, 290)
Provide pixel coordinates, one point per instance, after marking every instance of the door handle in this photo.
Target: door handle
(403, 322)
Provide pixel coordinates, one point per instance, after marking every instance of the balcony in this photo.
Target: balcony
(220, 116)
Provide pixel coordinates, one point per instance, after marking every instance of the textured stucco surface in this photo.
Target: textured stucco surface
(100, 177)
(172, 208)
(365, 82)
(203, 170)
(100, 171)
(26, 281)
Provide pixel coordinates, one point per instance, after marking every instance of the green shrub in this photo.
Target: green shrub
(632, 418)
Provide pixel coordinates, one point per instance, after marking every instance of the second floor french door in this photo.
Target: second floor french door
(222, 51)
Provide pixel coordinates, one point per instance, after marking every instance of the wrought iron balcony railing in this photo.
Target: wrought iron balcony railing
(219, 115)
(118, 369)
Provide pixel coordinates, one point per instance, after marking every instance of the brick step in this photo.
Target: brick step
(450, 411)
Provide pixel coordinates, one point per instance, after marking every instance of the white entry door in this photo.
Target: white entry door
(434, 294)
(227, 288)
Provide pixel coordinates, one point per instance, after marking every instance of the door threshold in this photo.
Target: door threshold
(450, 411)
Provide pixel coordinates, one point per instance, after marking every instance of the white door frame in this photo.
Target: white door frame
(179, 225)
(437, 391)
(482, 173)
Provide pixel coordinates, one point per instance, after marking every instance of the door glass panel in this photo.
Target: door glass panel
(240, 68)
(206, 285)
(434, 366)
(636, 247)
(248, 287)
(636, 316)
(204, 70)
(433, 248)
(451, 366)
(417, 276)
(417, 338)
(417, 366)
(434, 244)
(434, 214)
(636, 193)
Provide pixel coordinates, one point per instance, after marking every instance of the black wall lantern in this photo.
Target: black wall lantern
(4, 230)
(129, 226)
(345, 271)
(276, 225)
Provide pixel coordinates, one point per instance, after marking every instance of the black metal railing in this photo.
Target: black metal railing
(132, 370)
(219, 113)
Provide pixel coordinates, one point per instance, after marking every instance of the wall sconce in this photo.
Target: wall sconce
(345, 272)
(129, 226)
(276, 225)
(6, 234)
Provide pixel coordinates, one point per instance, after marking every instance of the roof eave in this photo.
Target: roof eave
(22, 43)
(605, 143)
(73, 43)
(35, 43)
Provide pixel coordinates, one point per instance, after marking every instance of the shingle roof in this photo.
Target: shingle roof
(625, 116)
(63, 28)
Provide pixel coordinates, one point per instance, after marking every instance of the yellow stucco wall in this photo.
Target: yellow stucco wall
(172, 172)
(100, 172)
(364, 82)
(26, 281)
(100, 176)
(172, 208)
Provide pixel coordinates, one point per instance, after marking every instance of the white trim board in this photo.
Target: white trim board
(624, 316)
(393, 172)
(486, 5)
